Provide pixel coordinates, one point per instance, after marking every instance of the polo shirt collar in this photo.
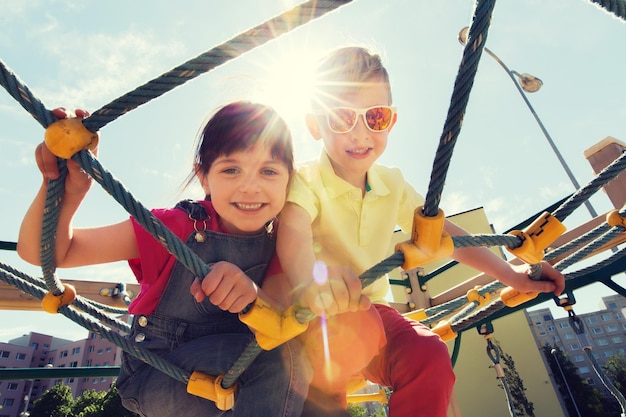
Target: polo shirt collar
(336, 186)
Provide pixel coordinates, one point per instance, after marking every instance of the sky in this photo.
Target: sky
(86, 54)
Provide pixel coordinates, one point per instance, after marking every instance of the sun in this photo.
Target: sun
(286, 82)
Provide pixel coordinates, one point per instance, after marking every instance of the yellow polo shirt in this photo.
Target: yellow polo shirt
(351, 229)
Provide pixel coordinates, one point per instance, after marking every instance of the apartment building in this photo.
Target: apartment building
(604, 330)
(35, 350)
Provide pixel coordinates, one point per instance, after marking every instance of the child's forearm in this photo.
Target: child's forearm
(29, 238)
(294, 247)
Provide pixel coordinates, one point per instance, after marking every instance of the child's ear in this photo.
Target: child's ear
(202, 177)
(313, 126)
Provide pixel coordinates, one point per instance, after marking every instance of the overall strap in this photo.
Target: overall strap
(195, 209)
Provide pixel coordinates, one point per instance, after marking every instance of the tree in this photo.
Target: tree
(356, 410)
(521, 405)
(615, 369)
(56, 402)
(580, 398)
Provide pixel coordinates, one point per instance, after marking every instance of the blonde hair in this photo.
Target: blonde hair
(347, 69)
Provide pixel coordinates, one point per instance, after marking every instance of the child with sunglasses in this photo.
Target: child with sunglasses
(244, 162)
(343, 209)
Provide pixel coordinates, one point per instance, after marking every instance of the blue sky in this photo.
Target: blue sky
(86, 54)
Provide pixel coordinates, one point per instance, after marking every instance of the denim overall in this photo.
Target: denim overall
(202, 337)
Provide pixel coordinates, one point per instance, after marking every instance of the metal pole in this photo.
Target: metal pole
(569, 392)
(556, 151)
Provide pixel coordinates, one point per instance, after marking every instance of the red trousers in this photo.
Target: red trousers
(387, 349)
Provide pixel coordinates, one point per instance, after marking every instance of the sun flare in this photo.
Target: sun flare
(287, 83)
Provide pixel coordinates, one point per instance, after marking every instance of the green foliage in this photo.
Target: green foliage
(357, 410)
(521, 405)
(615, 368)
(589, 401)
(56, 402)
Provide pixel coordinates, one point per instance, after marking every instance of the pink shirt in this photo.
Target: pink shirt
(155, 263)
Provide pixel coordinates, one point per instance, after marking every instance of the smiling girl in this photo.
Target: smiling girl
(244, 162)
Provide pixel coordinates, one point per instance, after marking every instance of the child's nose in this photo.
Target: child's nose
(250, 183)
(361, 126)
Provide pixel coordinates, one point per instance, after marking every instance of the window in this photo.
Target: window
(543, 334)
(108, 349)
(538, 323)
(569, 336)
(100, 351)
(606, 317)
(69, 380)
(8, 402)
(574, 346)
(583, 369)
(617, 339)
(607, 353)
(611, 305)
(564, 325)
(76, 351)
(592, 320)
(89, 362)
(20, 356)
(45, 345)
(550, 328)
(63, 354)
(12, 386)
(596, 330)
(547, 317)
(579, 358)
(74, 364)
(602, 342)
(91, 349)
(35, 346)
(611, 328)
(4, 353)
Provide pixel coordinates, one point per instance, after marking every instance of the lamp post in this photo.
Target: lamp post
(554, 353)
(531, 84)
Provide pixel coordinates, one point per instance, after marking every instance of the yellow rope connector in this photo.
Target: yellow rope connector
(65, 137)
(210, 387)
(417, 315)
(356, 384)
(380, 397)
(444, 330)
(474, 296)
(537, 237)
(428, 240)
(613, 218)
(52, 303)
(511, 297)
(271, 327)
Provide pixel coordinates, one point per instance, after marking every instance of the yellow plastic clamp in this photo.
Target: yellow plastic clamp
(52, 303)
(65, 137)
(210, 388)
(417, 315)
(271, 327)
(428, 240)
(474, 296)
(356, 384)
(537, 237)
(613, 218)
(379, 397)
(511, 297)
(444, 330)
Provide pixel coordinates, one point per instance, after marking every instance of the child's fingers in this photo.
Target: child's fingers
(196, 290)
(46, 161)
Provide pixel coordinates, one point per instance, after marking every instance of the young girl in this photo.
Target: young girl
(244, 161)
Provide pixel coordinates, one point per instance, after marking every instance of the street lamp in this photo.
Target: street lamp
(531, 84)
(558, 364)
